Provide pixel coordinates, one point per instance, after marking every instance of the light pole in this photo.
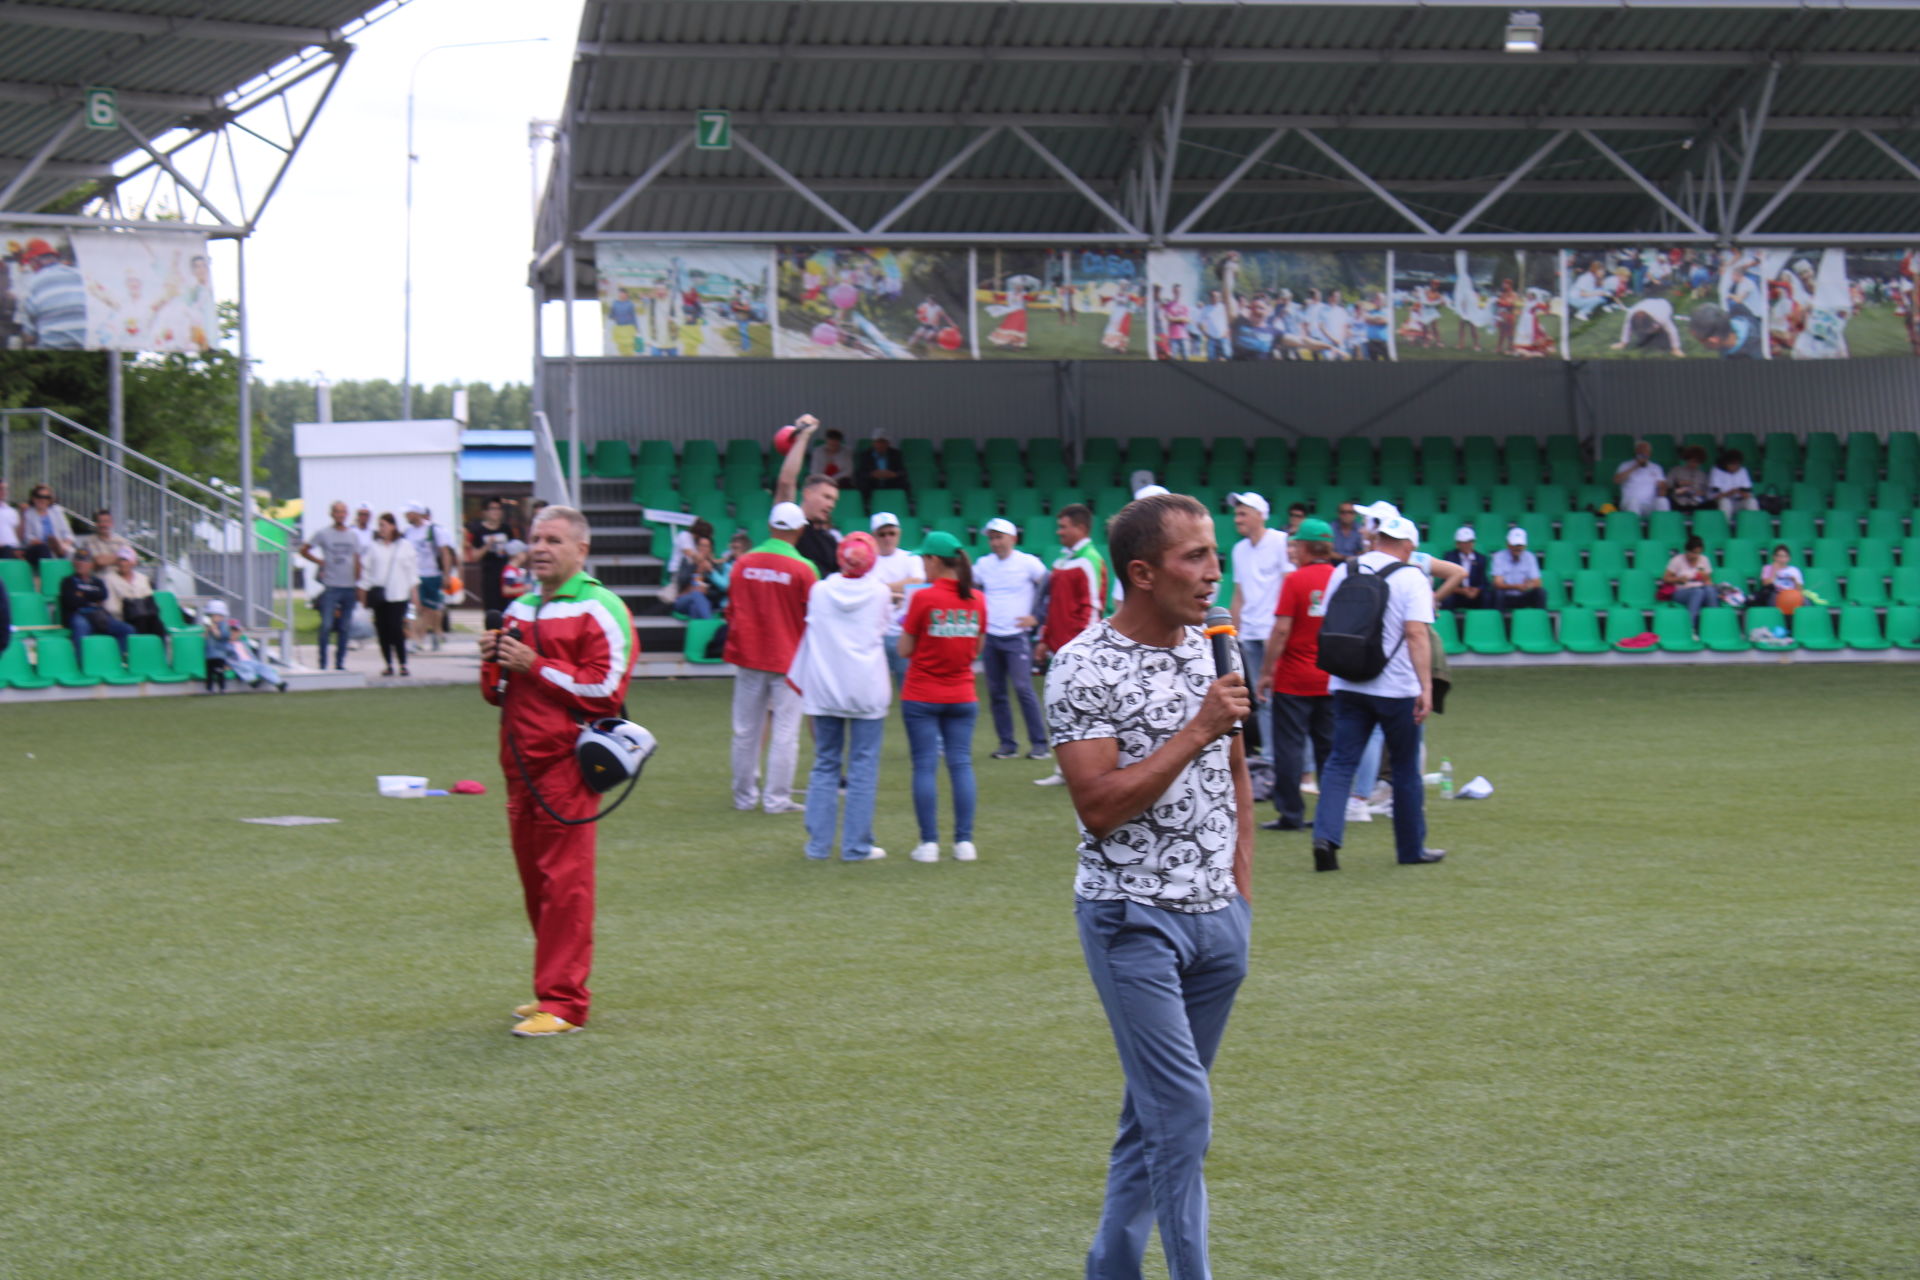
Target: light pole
(406, 374)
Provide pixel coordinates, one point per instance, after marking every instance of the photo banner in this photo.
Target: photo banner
(1060, 304)
(658, 300)
(107, 291)
(1475, 305)
(841, 303)
(1269, 304)
(1837, 304)
(1666, 303)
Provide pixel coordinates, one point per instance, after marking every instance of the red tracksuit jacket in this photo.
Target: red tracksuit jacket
(584, 635)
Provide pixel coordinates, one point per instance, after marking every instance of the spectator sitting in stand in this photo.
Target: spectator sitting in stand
(1349, 540)
(1475, 590)
(1642, 481)
(45, 533)
(1687, 483)
(880, 466)
(1516, 576)
(1782, 585)
(832, 458)
(1730, 484)
(83, 605)
(230, 652)
(103, 544)
(694, 594)
(130, 595)
(1690, 574)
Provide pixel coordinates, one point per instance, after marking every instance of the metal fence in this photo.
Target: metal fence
(194, 534)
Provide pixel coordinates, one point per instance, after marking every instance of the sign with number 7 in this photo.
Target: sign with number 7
(713, 131)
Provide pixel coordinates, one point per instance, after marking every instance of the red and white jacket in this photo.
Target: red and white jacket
(584, 636)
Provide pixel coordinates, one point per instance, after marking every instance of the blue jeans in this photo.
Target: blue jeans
(94, 620)
(694, 604)
(336, 614)
(1009, 662)
(859, 741)
(931, 728)
(1217, 349)
(896, 665)
(1253, 660)
(1167, 980)
(1354, 718)
(1302, 730)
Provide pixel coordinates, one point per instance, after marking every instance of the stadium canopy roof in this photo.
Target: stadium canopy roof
(198, 87)
(1267, 120)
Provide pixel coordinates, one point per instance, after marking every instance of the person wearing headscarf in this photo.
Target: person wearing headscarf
(840, 673)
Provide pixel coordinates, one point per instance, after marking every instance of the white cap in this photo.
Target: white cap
(1378, 512)
(1000, 524)
(1478, 789)
(1399, 527)
(516, 547)
(1465, 533)
(416, 509)
(1516, 537)
(363, 507)
(883, 520)
(128, 553)
(787, 515)
(216, 608)
(1253, 500)
(1150, 491)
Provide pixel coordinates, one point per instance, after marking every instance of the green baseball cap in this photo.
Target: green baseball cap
(938, 543)
(1313, 529)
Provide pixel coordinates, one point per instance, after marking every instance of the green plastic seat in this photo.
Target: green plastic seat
(1833, 553)
(1486, 632)
(1808, 495)
(1480, 460)
(1580, 631)
(1609, 558)
(1675, 629)
(1849, 496)
(1841, 522)
(1579, 527)
(1771, 619)
(1521, 456)
(1652, 554)
(100, 658)
(1867, 587)
(1623, 623)
(1813, 628)
(611, 460)
(1231, 472)
(1021, 505)
(1066, 496)
(16, 665)
(1099, 460)
(1860, 629)
(1622, 527)
(147, 660)
(1592, 590)
(1875, 554)
(1562, 558)
(1469, 498)
(850, 514)
(1637, 589)
(1268, 453)
(1532, 631)
(1892, 495)
(1720, 631)
(1757, 525)
(1554, 587)
(1710, 525)
(1510, 498)
(52, 574)
(1566, 465)
(1798, 529)
(1906, 584)
(1552, 499)
(1887, 524)
(656, 455)
(1822, 583)
(1743, 557)
(1903, 626)
(189, 657)
(1446, 624)
(1107, 501)
(32, 614)
(1539, 527)
(1669, 527)
(699, 635)
(16, 577)
(58, 661)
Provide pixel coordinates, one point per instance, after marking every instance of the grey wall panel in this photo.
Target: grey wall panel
(1738, 395)
(721, 400)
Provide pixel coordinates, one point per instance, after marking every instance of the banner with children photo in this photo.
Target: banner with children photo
(1834, 304)
(107, 291)
(1269, 304)
(661, 300)
(873, 304)
(1642, 302)
(1060, 304)
(1479, 304)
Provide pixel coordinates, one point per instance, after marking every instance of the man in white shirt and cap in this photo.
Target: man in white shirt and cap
(899, 569)
(1259, 566)
(434, 549)
(1516, 575)
(1011, 579)
(1642, 481)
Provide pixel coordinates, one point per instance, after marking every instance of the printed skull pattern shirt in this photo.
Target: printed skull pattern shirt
(1178, 854)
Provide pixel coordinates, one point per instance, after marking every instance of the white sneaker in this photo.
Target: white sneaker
(1357, 811)
(1054, 779)
(928, 852)
(1382, 809)
(874, 854)
(784, 806)
(964, 851)
(1310, 788)
(1381, 794)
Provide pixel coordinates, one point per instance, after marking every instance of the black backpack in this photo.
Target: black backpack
(1352, 645)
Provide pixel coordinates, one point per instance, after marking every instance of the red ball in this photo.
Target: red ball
(950, 338)
(783, 439)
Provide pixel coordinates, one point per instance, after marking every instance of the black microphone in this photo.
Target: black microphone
(1224, 635)
(494, 621)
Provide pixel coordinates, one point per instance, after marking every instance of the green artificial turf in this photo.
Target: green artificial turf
(1653, 1018)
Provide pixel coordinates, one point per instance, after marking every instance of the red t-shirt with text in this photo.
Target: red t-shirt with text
(947, 633)
(1303, 597)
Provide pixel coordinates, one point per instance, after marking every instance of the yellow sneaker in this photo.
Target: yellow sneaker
(543, 1024)
(527, 1010)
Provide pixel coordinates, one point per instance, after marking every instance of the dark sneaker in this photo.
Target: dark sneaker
(1006, 753)
(1426, 859)
(1038, 753)
(1326, 855)
(1283, 824)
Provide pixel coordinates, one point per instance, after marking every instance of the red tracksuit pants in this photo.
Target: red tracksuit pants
(556, 874)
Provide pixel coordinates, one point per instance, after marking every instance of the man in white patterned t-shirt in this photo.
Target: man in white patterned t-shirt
(1140, 723)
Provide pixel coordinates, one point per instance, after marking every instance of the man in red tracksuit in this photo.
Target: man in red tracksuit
(566, 654)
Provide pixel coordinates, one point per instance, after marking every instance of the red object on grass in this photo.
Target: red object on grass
(468, 787)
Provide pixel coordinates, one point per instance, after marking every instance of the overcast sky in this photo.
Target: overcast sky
(326, 267)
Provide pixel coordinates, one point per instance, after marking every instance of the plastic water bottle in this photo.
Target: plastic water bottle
(1446, 778)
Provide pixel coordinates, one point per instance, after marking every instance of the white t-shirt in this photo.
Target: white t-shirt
(1719, 482)
(1010, 585)
(1178, 853)
(9, 525)
(1258, 570)
(1640, 487)
(898, 566)
(426, 550)
(1409, 599)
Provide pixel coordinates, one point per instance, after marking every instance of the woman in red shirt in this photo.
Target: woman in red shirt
(940, 638)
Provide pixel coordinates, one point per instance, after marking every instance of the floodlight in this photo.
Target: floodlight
(1525, 32)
